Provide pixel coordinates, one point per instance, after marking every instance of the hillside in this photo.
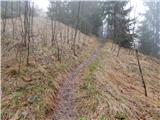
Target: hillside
(101, 85)
(111, 88)
(95, 85)
(29, 91)
(80, 60)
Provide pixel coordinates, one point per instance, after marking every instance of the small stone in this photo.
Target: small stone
(24, 114)
(31, 99)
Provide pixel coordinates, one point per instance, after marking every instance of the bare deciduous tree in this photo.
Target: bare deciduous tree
(75, 34)
(13, 23)
(4, 20)
(53, 21)
(27, 27)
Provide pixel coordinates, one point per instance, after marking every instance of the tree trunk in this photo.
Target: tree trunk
(21, 22)
(25, 23)
(74, 40)
(52, 30)
(12, 20)
(67, 34)
(144, 84)
(28, 27)
(4, 19)
(119, 48)
(53, 25)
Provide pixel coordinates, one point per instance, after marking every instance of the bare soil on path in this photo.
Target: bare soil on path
(65, 109)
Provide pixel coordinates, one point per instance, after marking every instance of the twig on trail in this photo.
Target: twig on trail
(144, 84)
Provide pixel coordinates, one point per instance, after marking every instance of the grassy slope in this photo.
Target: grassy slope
(111, 88)
(30, 94)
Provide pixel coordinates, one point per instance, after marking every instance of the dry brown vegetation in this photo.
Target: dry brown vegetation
(111, 88)
(29, 91)
(52, 71)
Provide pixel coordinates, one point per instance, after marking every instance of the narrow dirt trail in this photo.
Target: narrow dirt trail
(66, 100)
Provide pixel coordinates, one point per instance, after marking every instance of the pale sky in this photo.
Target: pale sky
(43, 4)
(138, 7)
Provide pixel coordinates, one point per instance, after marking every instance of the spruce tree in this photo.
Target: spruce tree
(119, 23)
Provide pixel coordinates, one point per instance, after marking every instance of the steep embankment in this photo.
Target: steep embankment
(111, 88)
(30, 93)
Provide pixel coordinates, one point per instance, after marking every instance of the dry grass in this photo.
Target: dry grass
(114, 89)
(30, 94)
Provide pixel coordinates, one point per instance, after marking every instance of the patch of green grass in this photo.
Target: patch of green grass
(62, 67)
(89, 85)
(83, 118)
(17, 97)
(120, 116)
(51, 84)
(94, 66)
(40, 106)
(37, 89)
(102, 117)
(89, 77)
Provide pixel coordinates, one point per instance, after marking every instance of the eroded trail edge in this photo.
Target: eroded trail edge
(66, 100)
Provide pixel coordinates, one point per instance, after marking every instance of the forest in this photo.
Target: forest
(80, 60)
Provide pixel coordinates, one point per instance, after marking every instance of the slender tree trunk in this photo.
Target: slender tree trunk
(143, 81)
(13, 27)
(54, 30)
(67, 34)
(61, 52)
(28, 30)
(21, 22)
(74, 40)
(68, 28)
(58, 49)
(4, 19)
(32, 27)
(119, 48)
(32, 20)
(112, 46)
(25, 23)
(79, 37)
(114, 26)
(52, 39)
(53, 25)
(20, 60)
